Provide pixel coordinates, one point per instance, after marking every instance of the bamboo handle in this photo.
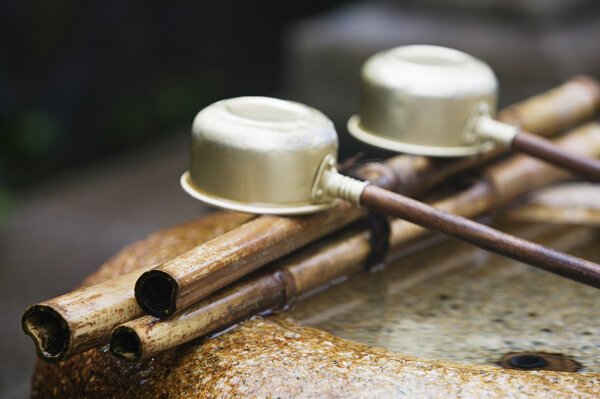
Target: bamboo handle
(482, 236)
(544, 149)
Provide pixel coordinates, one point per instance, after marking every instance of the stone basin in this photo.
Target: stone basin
(434, 323)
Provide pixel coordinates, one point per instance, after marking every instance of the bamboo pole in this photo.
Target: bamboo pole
(322, 263)
(184, 280)
(83, 319)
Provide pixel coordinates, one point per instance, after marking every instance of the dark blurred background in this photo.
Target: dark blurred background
(96, 98)
(82, 79)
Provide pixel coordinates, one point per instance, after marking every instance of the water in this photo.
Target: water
(458, 303)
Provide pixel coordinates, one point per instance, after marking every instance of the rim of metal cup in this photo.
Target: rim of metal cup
(251, 207)
(356, 130)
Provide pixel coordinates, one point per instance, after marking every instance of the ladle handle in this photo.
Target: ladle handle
(542, 148)
(482, 236)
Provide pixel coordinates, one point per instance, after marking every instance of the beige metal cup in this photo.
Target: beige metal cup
(260, 155)
(421, 99)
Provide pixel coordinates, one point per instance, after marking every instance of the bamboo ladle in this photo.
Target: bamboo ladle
(437, 101)
(264, 155)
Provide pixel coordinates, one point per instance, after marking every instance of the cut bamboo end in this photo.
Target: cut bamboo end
(156, 293)
(83, 319)
(126, 344)
(49, 331)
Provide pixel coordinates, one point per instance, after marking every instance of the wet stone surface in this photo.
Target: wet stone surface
(274, 356)
(457, 303)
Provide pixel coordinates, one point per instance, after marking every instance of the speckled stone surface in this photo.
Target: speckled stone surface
(278, 358)
(457, 303)
(447, 290)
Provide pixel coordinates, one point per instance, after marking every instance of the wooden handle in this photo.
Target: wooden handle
(545, 149)
(482, 236)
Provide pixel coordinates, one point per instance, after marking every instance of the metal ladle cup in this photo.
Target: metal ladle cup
(265, 155)
(437, 101)
(419, 100)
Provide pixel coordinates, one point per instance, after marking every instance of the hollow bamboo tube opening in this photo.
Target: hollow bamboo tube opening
(125, 344)
(157, 293)
(48, 330)
(146, 336)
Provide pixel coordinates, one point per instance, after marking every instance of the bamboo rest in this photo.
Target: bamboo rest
(545, 114)
(325, 262)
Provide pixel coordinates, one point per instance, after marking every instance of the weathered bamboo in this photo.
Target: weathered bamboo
(186, 279)
(183, 280)
(83, 319)
(323, 263)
